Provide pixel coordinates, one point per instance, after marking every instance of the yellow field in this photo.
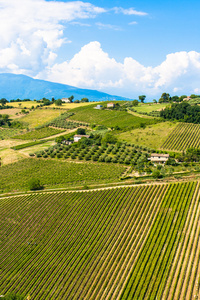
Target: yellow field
(73, 105)
(11, 112)
(21, 105)
(40, 116)
(29, 104)
(153, 136)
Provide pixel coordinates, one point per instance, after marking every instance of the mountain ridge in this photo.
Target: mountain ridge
(14, 86)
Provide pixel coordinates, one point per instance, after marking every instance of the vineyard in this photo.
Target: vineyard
(124, 243)
(56, 174)
(109, 118)
(184, 136)
(38, 133)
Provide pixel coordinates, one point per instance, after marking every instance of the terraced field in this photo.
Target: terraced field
(124, 243)
(184, 136)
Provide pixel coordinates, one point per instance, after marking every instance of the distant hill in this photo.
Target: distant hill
(23, 87)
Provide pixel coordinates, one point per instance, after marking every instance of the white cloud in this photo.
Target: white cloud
(80, 24)
(108, 26)
(31, 31)
(133, 23)
(129, 11)
(93, 68)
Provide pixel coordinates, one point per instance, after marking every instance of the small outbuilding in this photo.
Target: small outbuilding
(98, 106)
(159, 158)
(78, 137)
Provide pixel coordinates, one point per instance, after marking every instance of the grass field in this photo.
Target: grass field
(152, 136)
(125, 243)
(6, 133)
(41, 116)
(11, 112)
(56, 173)
(29, 104)
(38, 133)
(109, 118)
(184, 136)
(149, 107)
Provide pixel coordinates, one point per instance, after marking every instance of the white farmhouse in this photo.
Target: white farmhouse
(159, 158)
(66, 100)
(78, 137)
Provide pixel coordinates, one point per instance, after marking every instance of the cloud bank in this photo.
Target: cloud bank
(93, 68)
(32, 32)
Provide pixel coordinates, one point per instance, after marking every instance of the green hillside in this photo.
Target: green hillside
(109, 118)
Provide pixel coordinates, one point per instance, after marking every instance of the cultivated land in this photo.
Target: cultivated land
(124, 243)
(56, 174)
(109, 118)
(29, 104)
(184, 136)
(40, 116)
(149, 107)
(72, 241)
(152, 136)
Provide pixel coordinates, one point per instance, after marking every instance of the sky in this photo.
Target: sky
(125, 48)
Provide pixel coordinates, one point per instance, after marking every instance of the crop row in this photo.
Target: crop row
(63, 122)
(60, 242)
(38, 133)
(149, 272)
(123, 154)
(184, 136)
(125, 243)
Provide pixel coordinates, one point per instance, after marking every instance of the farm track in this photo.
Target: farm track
(132, 242)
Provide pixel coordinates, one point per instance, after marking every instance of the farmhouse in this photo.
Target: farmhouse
(187, 99)
(98, 106)
(159, 158)
(66, 100)
(78, 137)
(111, 105)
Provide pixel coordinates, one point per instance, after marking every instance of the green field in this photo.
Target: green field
(6, 133)
(184, 136)
(38, 133)
(149, 107)
(109, 118)
(152, 136)
(56, 173)
(124, 243)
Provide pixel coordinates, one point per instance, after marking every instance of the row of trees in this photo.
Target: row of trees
(183, 112)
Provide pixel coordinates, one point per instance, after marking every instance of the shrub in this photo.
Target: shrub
(35, 184)
(12, 296)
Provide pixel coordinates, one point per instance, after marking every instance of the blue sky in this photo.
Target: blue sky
(120, 47)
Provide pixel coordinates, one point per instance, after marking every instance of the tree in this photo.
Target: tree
(3, 101)
(135, 102)
(109, 139)
(175, 99)
(154, 101)
(71, 98)
(81, 131)
(84, 100)
(164, 98)
(35, 184)
(58, 102)
(142, 98)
